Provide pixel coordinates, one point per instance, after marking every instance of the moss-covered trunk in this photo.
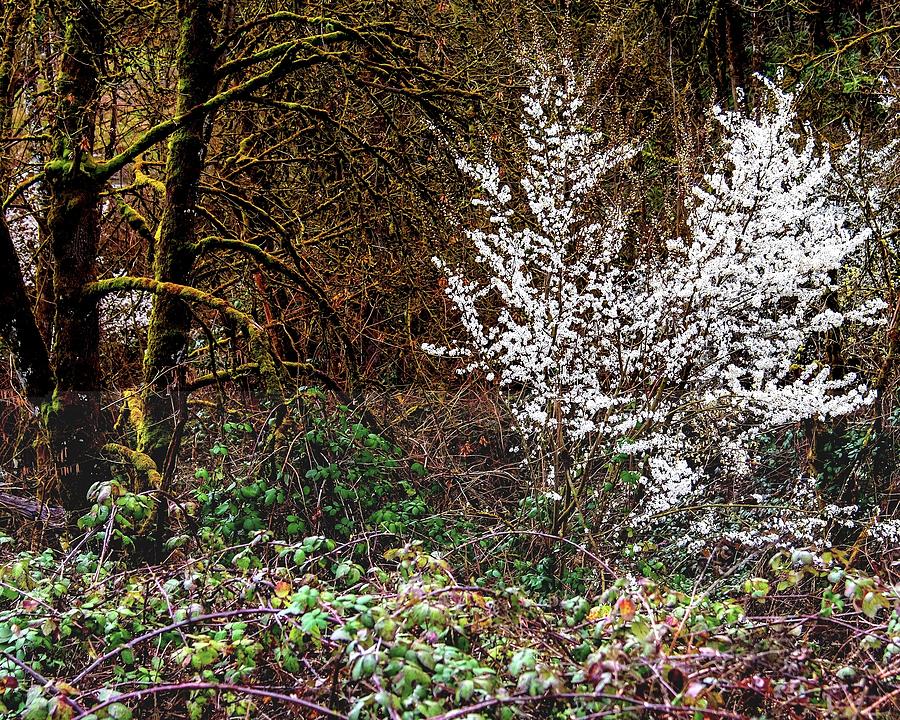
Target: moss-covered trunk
(174, 252)
(18, 327)
(73, 417)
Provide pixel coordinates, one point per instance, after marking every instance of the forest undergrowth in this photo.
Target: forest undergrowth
(329, 571)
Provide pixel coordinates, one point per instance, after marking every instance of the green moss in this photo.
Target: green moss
(153, 439)
(141, 462)
(51, 407)
(57, 167)
(185, 292)
(135, 220)
(261, 352)
(141, 179)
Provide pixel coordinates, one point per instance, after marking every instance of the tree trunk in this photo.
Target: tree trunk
(174, 252)
(18, 329)
(73, 417)
(735, 53)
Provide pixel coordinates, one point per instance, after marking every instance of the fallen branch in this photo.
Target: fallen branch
(53, 515)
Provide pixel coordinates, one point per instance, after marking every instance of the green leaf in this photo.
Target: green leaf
(118, 711)
(37, 708)
(757, 587)
(465, 690)
(522, 661)
(313, 622)
(872, 603)
(640, 629)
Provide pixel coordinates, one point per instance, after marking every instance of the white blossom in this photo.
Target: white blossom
(679, 360)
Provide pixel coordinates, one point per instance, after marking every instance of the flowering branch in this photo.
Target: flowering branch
(675, 363)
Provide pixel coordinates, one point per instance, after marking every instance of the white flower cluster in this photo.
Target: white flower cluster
(552, 276)
(870, 186)
(798, 519)
(889, 92)
(677, 359)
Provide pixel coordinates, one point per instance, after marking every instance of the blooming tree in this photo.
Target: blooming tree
(674, 361)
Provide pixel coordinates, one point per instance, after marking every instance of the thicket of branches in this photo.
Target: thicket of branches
(201, 193)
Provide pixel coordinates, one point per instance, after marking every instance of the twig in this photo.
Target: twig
(218, 687)
(48, 684)
(168, 628)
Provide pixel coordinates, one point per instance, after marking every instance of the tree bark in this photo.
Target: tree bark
(174, 253)
(18, 328)
(735, 53)
(73, 417)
